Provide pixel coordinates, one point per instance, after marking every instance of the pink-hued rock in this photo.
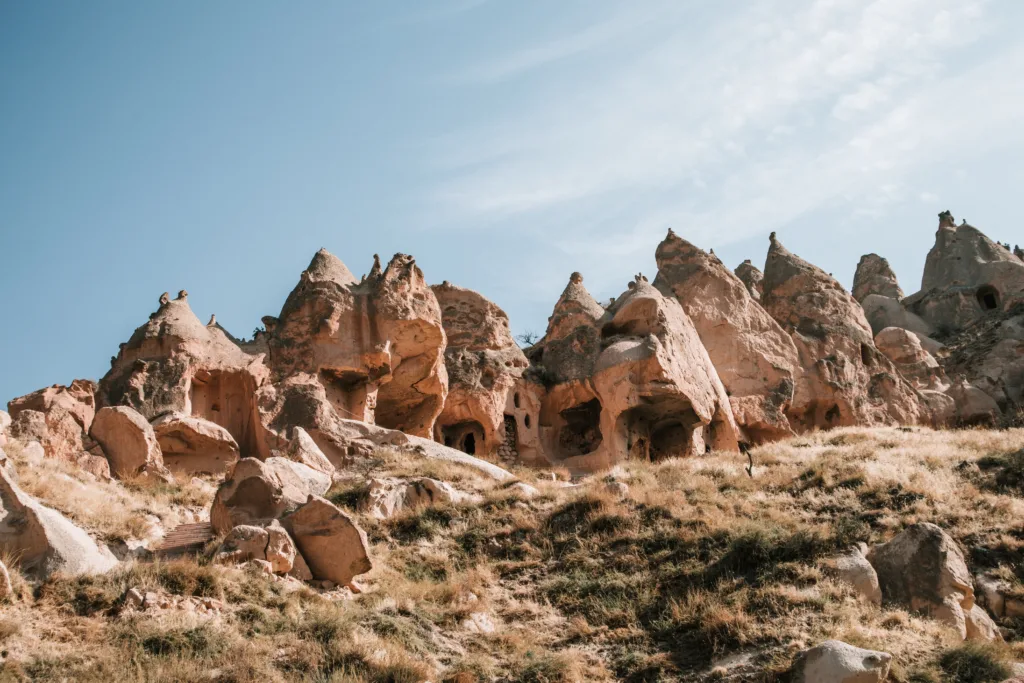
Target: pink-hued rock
(192, 445)
(257, 492)
(333, 546)
(128, 441)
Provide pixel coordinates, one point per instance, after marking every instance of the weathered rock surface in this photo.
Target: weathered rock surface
(923, 569)
(752, 278)
(175, 363)
(303, 449)
(484, 363)
(846, 380)
(376, 346)
(78, 400)
(989, 353)
(386, 497)
(192, 445)
(128, 441)
(44, 540)
(875, 276)
(854, 569)
(837, 662)
(271, 544)
(904, 349)
(754, 357)
(257, 492)
(973, 406)
(979, 625)
(333, 545)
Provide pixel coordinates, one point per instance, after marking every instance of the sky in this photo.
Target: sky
(215, 147)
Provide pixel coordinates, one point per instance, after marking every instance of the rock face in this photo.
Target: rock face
(58, 417)
(128, 441)
(334, 547)
(257, 492)
(989, 353)
(193, 445)
(484, 364)
(752, 279)
(175, 364)
(630, 381)
(754, 357)
(923, 569)
(846, 380)
(376, 346)
(43, 539)
(837, 662)
(966, 275)
(904, 349)
(875, 276)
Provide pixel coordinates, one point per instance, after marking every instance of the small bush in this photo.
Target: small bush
(975, 663)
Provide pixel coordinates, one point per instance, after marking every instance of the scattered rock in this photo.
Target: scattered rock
(855, 570)
(271, 544)
(837, 662)
(923, 569)
(128, 441)
(192, 445)
(479, 622)
(256, 492)
(332, 544)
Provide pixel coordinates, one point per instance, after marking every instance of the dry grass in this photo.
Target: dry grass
(698, 567)
(113, 510)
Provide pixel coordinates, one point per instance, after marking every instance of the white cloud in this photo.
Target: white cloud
(731, 130)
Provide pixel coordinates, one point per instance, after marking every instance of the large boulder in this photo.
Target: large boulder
(193, 445)
(128, 441)
(846, 380)
(875, 276)
(302, 448)
(42, 539)
(837, 662)
(257, 492)
(923, 569)
(332, 544)
(753, 356)
(376, 345)
(483, 363)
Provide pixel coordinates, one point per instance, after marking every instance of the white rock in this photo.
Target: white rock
(837, 662)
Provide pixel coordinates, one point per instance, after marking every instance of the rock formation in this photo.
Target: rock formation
(128, 441)
(257, 492)
(904, 349)
(630, 381)
(334, 547)
(484, 364)
(754, 357)
(837, 662)
(752, 279)
(58, 417)
(193, 445)
(875, 276)
(846, 380)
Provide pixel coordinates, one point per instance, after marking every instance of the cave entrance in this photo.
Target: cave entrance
(347, 391)
(467, 436)
(988, 298)
(581, 429)
(659, 429)
(227, 399)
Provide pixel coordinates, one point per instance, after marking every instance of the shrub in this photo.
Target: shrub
(975, 663)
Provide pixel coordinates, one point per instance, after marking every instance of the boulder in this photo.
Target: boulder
(754, 357)
(837, 662)
(271, 544)
(78, 400)
(875, 276)
(979, 625)
(752, 279)
(483, 363)
(192, 445)
(56, 431)
(332, 544)
(854, 569)
(846, 380)
(386, 497)
(883, 311)
(304, 450)
(257, 492)
(128, 441)
(924, 570)
(904, 349)
(973, 406)
(44, 540)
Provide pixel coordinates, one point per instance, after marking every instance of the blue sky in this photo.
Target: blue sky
(150, 147)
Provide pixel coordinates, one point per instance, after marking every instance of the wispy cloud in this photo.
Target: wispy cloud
(736, 125)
